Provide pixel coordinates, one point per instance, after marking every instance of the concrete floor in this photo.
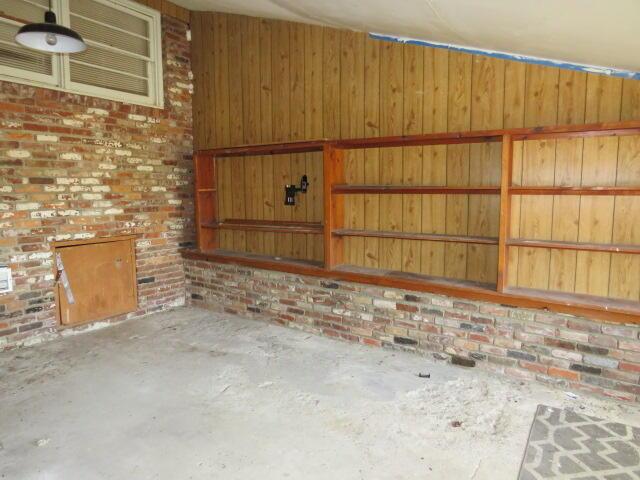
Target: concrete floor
(190, 394)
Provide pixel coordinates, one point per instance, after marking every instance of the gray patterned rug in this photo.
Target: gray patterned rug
(565, 445)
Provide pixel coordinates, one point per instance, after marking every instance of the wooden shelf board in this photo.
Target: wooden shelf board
(448, 138)
(580, 246)
(414, 189)
(268, 262)
(267, 149)
(614, 129)
(591, 307)
(207, 190)
(518, 190)
(408, 276)
(435, 237)
(443, 138)
(266, 226)
(581, 300)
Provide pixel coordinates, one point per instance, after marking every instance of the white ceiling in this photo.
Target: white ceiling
(601, 33)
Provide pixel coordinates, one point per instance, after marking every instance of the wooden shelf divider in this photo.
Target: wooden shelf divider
(268, 149)
(333, 170)
(622, 128)
(580, 246)
(506, 178)
(434, 237)
(413, 189)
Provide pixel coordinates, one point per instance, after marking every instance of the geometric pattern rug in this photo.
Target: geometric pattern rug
(565, 445)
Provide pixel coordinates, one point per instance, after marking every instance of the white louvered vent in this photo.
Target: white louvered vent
(18, 61)
(123, 60)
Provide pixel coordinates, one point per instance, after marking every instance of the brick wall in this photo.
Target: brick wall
(561, 350)
(74, 167)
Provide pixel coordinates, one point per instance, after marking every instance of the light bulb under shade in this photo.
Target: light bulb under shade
(38, 36)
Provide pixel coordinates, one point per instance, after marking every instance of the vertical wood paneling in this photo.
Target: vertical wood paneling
(235, 25)
(352, 125)
(266, 130)
(313, 129)
(372, 156)
(459, 118)
(391, 109)
(484, 169)
(514, 95)
(434, 165)
(250, 59)
(566, 209)
(412, 156)
(624, 281)
(297, 126)
(222, 118)
(280, 73)
(538, 164)
(331, 83)
(599, 164)
(259, 80)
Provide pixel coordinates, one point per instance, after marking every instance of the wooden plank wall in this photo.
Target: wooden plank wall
(259, 81)
(603, 161)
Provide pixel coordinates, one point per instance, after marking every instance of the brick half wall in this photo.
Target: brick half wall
(75, 167)
(564, 351)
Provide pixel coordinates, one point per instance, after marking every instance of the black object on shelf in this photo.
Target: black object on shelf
(291, 190)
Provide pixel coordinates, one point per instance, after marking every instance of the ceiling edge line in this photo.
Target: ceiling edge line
(610, 71)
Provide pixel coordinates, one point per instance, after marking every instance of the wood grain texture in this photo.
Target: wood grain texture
(599, 167)
(458, 158)
(351, 126)
(309, 82)
(412, 160)
(391, 123)
(110, 264)
(371, 246)
(538, 164)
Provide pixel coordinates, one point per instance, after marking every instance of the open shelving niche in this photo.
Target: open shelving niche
(333, 228)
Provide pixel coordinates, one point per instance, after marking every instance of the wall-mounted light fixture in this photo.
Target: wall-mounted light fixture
(49, 36)
(291, 190)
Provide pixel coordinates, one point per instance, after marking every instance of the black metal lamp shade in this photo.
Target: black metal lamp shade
(50, 37)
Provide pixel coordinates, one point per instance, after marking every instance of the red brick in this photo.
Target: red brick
(38, 110)
(479, 338)
(629, 367)
(372, 342)
(534, 367)
(559, 372)
(406, 308)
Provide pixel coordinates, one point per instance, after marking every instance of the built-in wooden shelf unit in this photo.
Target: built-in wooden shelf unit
(334, 230)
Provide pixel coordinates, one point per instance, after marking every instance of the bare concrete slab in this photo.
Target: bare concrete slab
(191, 394)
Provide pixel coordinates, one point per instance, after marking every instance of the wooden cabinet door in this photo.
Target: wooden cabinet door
(102, 278)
